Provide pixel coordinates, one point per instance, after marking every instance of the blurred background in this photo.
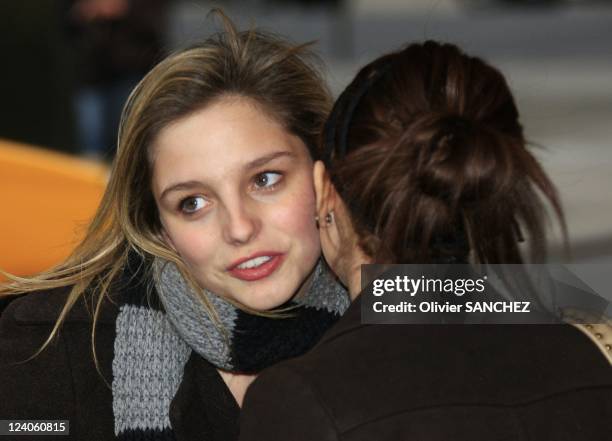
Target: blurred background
(68, 66)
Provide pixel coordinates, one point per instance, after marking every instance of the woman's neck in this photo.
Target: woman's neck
(354, 283)
(353, 276)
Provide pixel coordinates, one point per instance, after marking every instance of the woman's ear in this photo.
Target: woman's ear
(325, 194)
(339, 241)
(320, 177)
(327, 201)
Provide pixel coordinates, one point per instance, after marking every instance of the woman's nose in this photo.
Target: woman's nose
(240, 224)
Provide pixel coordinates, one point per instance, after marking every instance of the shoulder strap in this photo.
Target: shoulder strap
(598, 329)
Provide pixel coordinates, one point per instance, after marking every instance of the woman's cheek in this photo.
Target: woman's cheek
(297, 218)
(191, 245)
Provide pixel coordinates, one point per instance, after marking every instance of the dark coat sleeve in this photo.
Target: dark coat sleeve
(282, 405)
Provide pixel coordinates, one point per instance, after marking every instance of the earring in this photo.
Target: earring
(329, 219)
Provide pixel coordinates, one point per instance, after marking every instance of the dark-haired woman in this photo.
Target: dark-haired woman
(427, 163)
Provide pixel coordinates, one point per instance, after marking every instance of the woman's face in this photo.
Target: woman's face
(236, 201)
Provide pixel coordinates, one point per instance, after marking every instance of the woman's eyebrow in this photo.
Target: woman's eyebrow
(267, 158)
(187, 185)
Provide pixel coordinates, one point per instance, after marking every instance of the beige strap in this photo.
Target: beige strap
(599, 330)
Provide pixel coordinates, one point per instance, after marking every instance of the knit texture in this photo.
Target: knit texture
(161, 324)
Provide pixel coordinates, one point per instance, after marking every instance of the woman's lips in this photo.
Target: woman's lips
(259, 272)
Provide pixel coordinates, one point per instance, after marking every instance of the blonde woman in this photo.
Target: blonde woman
(156, 324)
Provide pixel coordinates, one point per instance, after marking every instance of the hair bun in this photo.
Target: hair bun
(433, 153)
(460, 160)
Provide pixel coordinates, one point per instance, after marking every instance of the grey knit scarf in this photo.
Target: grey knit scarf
(161, 323)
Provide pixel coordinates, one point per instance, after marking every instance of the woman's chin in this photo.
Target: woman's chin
(265, 298)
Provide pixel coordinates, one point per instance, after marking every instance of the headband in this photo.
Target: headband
(347, 102)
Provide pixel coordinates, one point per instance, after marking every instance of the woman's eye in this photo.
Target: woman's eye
(267, 179)
(192, 204)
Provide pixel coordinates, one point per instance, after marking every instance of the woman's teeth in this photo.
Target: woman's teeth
(252, 263)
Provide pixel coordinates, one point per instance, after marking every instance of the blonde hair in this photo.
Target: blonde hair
(280, 77)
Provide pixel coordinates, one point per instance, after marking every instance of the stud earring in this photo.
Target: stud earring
(329, 219)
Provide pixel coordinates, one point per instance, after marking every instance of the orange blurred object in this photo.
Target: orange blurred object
(47, 199)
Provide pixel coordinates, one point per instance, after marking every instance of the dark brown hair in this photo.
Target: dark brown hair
(426, 149)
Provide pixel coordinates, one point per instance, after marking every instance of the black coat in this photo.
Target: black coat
(62, 382)
(435, 383)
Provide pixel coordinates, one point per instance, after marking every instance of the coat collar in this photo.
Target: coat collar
(349, 321)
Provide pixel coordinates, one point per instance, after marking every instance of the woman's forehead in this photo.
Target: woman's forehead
(228, 137)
